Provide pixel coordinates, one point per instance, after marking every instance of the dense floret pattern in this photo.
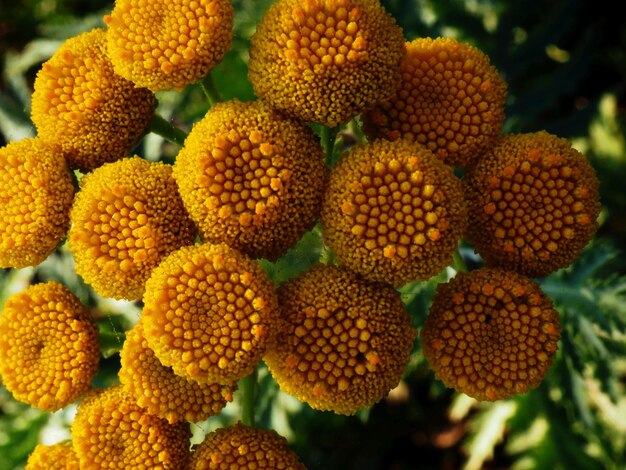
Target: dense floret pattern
(59, 456)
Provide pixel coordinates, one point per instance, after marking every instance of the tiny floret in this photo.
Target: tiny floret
(59, 456)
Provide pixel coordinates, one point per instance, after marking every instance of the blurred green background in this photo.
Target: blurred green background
(565, 63)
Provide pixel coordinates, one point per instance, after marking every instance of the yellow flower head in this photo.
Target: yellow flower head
(111, 432)
(161, 392)
(209, 313)
(490, 334)
(534, 201)
(80, 104)
(166, 44)
(343, 342)
(49, 348)
(36, 192)
(240, 447)
(326, 60)
(59, 456)
(451, 100)
(126, 217)
(251, 178)
(393, 212)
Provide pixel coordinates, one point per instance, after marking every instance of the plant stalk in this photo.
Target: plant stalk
(248, 388)
(161, 126)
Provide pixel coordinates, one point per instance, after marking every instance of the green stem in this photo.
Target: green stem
(457, 263)
(329, 134)
(210, 90)
(160, 126)
(248, 389)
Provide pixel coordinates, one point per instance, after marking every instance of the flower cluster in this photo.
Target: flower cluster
(59, 456)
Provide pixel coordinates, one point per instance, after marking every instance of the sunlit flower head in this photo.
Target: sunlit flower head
(94, 115)
(251, 178)
(49, 349)
(491, 334)
(36, 192)
(534, 201)
(209, 313)
(393, 212)
(342, 343)
(166, 44)
(111, 432)
(326, 61)
(126, 217)
(59, 456)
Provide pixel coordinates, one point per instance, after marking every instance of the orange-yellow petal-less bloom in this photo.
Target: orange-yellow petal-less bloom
(59, 456)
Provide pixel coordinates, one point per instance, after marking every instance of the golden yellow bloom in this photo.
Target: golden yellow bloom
(36, 192)
(326, 60)
(59, 456)
(165, 44)
(393, 212)
(126, 217)
(209, 313)
(240, 447)
(534, 201)
(490, 334)
(49, 348)
(451, 99)
(111, 432)
(251, 178)
(161, 392)
(80, 104)
(343, 342)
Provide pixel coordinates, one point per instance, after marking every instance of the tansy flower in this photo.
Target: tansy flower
(36, 192)
(240, 447)
(393, 212)
(451, 99)
(326, 60)
(166, 44)
(343, 342)
(126, 217)
(534, 201)
(111, 432)
(161, 392)
(209, 313)
(251, 178)
(59, 456)
(49, 348)
(490, 334)
(95, 115)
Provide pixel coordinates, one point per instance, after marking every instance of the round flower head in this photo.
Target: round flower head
(240, 447)
(451, 99)
(533, 200)
(166, 44)
(161, 392)
(251, 178)
(126, 217)
(111, 432)
(209, 313)
(59, 456)
(326, 60)
(490, 334)
(49, 348)
(343, 342)
(36, 191)
(79, 103)
(393, 212)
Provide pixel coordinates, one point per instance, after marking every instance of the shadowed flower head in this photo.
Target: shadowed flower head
(161, 392)
(59, 456)
(534, 202)
(490, 334)
(451, 100)
(49, 348)
(241, 447)
(126, 217)
(343, 342)
(326, 60)
(393, 212)
(95, 115)
(111, 432)
(166, 44)
(36, 192)
(251, 178)
(209, 313)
